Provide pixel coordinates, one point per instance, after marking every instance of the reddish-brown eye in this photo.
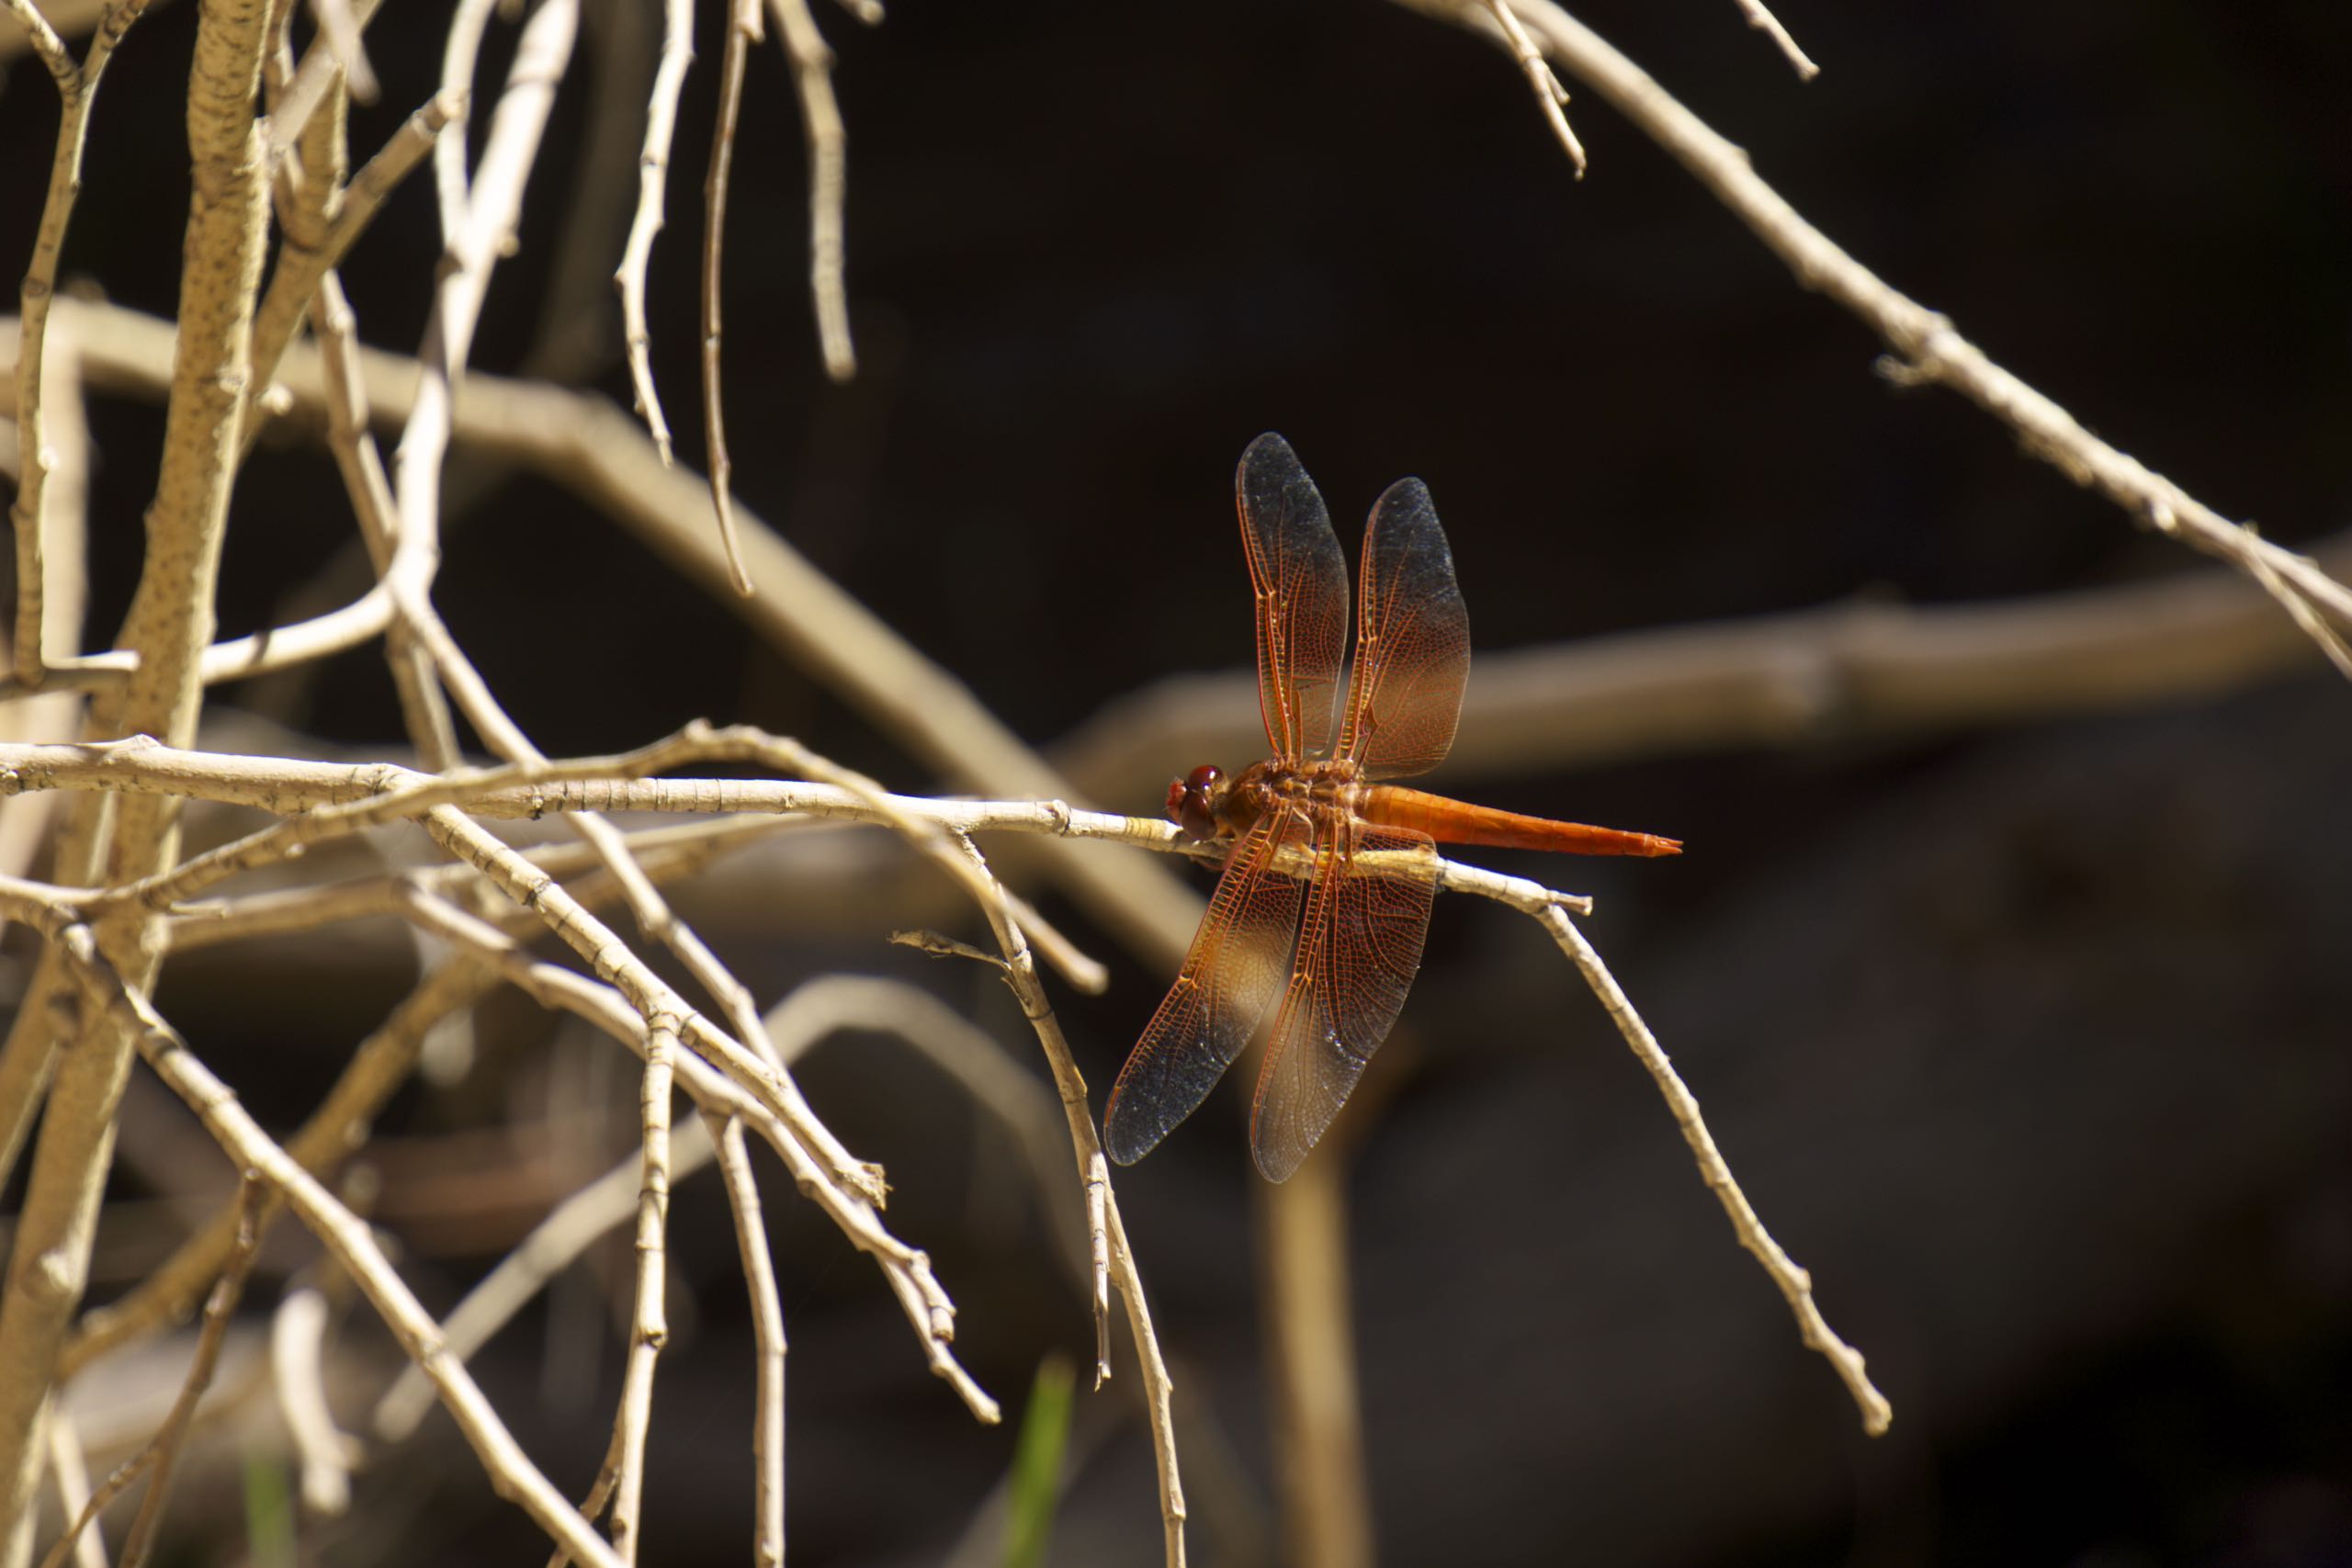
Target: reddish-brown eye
(1188, 802)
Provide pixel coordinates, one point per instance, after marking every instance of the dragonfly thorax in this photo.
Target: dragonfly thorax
(1209, 804)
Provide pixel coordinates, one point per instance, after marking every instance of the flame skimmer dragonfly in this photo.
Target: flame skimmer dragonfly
(1338, 946)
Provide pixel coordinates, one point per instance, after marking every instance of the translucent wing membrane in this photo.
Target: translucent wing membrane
(1302, 583)
(1412, 640)
(1358, 950)
(1237, 968)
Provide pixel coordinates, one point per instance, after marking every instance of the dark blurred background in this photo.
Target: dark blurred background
(2028, 1039)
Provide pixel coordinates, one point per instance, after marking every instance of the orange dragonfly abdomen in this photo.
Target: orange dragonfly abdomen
(1458, 822)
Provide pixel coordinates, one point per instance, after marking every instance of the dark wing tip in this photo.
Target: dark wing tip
(1127, 1139)
(1270, 480)
(1269, 446)
(1404, 492)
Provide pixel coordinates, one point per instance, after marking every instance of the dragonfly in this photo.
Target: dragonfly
(1324, 901)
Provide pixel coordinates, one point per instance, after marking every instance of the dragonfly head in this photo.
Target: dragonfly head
(1192, 801)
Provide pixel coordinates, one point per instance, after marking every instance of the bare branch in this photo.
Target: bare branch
(340, 29)
(303, 262)
(49, 47)
(743, 26)
(1828, 674)
(1925, 345)
(297, 1356)
(664, 853)
(652, 194)
(843, 1189)
(1764, 22)
(160, 1450)
(586, 444)
(767, 1337)
(170, 619)
(821, 116)
(71, 1468)
(621, 1478)
(554, 1243)
(380, 1065)
(77, 90)
(344, 1234)
(425, 708)
(1549, 94)
(1795, 1284)
(1020, 972)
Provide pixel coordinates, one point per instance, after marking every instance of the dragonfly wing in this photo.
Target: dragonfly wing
(1359, 947)
(1239, 962)
(1412, 640)
(1302, 585)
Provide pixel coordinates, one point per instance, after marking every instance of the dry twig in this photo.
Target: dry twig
(1763, 21)
(621, 1479)
(298, 1372)
(1925, 345)
(161, 1449)
(1549, 94)
(344, 1234)
(768, 1344)
(652, 195)
(821, 118)
(1794, 1283)
(587, 445)
(743, 27)
(70, 1467)
(77, 88)
(170, 619)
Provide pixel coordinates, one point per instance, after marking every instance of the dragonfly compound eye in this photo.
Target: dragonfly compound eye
(1188, 802)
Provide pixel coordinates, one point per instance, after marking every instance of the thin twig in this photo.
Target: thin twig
(1763, 21)
(297, 1359)
(38, 285)
(315, 83)
(377, 1069)
(621, 1478)
(1098, 1248)
(71, 1467)
(160, 1450)
(1020, 974)
(814, 1011)
(1925, 345)
(743, 27)
(78, 90)
(334, 801)
(303, 261)
(1550, 96)
(554, 1243)
(2300, 610)
(65, 591)
(344, 1234)
(652, 195)
(170, 620)
(340, 29)
(1795, 1284)
(844, 1190)
(238, 658)
(768, 1344)
(49, 47)
(587, 445)
(820, 118)
(425, 708)
(478, 221)
(666, 855)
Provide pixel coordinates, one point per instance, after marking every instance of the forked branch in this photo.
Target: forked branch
(1924, 347)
